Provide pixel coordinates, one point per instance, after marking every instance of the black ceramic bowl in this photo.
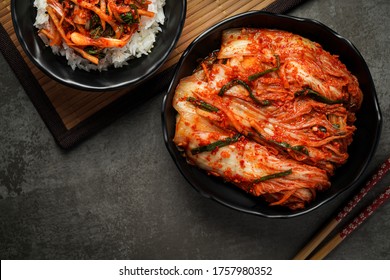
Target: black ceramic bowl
(131, 75)
(368, 118)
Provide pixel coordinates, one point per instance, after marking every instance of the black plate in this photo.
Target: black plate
(131, 75)
(369, 120)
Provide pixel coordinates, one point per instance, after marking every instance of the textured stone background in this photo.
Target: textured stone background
(118, 195)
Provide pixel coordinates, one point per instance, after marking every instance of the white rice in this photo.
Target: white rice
(140, 44)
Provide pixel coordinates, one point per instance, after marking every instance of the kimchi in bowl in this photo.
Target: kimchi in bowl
(137, 70)
(368, 117)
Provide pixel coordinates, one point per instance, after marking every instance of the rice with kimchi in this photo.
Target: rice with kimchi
(270, 112)
(126, 45)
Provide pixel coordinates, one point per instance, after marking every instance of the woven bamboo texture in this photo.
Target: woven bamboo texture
(74, 106)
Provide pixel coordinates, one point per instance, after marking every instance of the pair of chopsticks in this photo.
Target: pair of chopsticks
(347, 230)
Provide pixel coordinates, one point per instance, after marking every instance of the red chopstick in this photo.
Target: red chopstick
(339, 237)
(319, 237)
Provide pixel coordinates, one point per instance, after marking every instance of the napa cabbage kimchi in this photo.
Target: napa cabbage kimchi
(270, 112)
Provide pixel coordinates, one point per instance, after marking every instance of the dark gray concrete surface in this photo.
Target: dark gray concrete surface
(118, 195)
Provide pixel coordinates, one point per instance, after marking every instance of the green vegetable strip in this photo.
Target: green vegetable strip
(135, 8)
(96, 32)
(235, 82)
(202, 105)
(281, 144)
(273, 176)
(260, 74)
(94, 51)
(91, 50)
(298, 148)
(301, 149)
(285, 145)
(129, 18)
(317, 96)
(218, 144)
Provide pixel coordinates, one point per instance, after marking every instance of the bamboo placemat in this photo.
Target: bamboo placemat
(71, 114)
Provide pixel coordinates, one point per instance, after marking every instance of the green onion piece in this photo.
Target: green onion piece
(218, 144)
(96, 32)
(235, 82)
(202, 105)
(95, 21)
(91, 50)
(317, 96)
(130, 17)
(260, 74)
(94, 51)
(285, 145)
(273, 176)
(281, 144)
(298, 148)
(127, 18)
(301, 149)
(135, 8)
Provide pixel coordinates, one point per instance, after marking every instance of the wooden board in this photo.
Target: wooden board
(74, 106)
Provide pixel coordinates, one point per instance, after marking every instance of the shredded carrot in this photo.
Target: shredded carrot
(55, 37)
(145, 13)
(57, 24)
(285, 197)
(206, 71)
(84, 54)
